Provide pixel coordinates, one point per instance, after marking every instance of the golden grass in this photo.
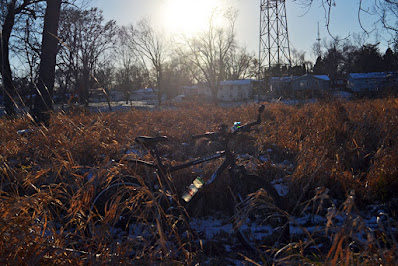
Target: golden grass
(50, 176)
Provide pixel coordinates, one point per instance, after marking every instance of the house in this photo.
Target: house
(235, 90)
(229, 90)
(281, 86)
(311, 83)
(339, 84)
(199, 90)
(362, 83)
(144, 94)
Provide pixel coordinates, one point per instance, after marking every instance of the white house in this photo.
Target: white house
(235, 90)
(144, 94)
(199, 90)
(230, 90)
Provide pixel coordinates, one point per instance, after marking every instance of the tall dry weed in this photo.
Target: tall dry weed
(50, 175)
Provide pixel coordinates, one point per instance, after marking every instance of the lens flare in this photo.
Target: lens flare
(188, 16)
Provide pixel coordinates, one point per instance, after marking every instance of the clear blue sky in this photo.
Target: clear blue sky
(302, 25)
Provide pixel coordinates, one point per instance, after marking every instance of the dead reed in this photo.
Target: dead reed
(50, 177)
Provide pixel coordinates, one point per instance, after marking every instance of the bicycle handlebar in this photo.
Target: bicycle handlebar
(206, 135)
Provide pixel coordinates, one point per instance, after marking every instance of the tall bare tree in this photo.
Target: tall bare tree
(86, 40)
(9, 11)
(209, 51)
(129, 74)
(151, 48)
(176, 75)
(385, 11)
(240, 64)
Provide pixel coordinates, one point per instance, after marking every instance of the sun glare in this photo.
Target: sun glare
(187, 16)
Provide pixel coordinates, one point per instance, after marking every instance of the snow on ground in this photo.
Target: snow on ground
(281, 187)
(210, 227)
(121, 106)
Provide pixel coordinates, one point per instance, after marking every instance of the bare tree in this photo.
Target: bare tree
(10, 10)
(176, 75)
(240, 64)
(86, 41)
(129, 73)
(385, 10)
(209, 51)
(150, 47)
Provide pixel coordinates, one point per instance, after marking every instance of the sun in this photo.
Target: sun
(187, 16)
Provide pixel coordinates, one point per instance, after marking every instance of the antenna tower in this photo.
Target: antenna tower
(274, 37)
(318, 47)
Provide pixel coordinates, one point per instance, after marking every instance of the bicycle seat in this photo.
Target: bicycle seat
(150, 141)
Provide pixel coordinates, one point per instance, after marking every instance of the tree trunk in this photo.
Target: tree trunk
(45, 86)
(159, 92)
(6, 73)
(159, 84)
(214, 94)
(85, 88)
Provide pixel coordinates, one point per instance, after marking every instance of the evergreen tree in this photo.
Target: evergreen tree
(368, 59)
(389, 60)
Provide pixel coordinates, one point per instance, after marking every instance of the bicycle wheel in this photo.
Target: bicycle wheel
(259, 219)
(121, 208)
(148, 221)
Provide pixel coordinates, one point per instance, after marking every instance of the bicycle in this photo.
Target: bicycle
(154, 207)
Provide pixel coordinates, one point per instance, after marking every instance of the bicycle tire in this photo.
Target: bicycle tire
(119, 207)
(258, 216)
(146, 224)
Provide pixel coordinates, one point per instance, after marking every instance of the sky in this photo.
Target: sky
(176, 16)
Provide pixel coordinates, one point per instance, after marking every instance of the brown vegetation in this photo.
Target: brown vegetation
(49, 176)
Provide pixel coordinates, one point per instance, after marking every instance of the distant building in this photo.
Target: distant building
(339, 84)
(363, 83)
(199, 90)
(230, 90)
(144, 94)
(235, 90)
(281, 85)
(311, 82)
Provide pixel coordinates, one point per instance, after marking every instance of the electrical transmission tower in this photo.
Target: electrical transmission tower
(274, 37)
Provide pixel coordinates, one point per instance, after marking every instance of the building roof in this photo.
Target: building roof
(145, 90)
(285, 78)
(372, 75)
(322, 77)
(236, 82)
(222, 83)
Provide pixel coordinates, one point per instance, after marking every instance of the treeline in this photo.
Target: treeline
(339, 58)
(17, 18)
(95, 54)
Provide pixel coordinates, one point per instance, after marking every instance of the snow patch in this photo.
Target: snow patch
(280, 187)
(136, 151)
(210, 226)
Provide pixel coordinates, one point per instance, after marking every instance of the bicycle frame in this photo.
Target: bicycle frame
(223, 137)
(165, 169)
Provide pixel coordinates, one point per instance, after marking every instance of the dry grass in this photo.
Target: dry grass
(50, 176)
